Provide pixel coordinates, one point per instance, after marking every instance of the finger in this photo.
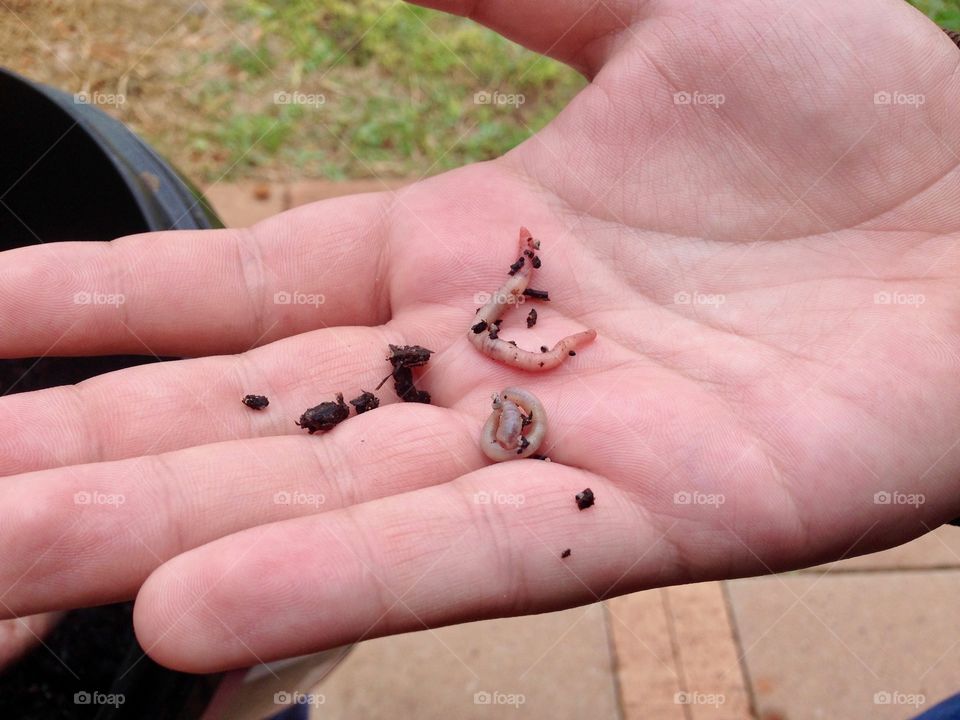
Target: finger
(580, 33)
(91, 534)
(20, 635)
(199, 292)
(162, 407)
(150, 409)
(422, 559)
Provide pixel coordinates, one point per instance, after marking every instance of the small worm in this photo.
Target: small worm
(486, 317)
(502, 437)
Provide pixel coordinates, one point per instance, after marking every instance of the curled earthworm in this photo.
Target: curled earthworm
(502, 437)
(484, 333)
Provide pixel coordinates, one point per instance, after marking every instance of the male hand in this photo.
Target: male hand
(754, 203)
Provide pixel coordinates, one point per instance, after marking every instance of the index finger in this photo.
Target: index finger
(199, 292)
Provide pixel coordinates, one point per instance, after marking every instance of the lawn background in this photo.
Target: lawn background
(199, 80)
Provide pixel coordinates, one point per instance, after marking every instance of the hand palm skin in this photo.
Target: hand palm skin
(772, 271)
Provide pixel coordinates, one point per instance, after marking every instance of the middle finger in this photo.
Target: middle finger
(157, 408)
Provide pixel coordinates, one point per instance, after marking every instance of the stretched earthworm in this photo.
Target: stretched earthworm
(502, 437)
(489, 315)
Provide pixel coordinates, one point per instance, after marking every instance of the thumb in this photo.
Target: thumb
(580, 33)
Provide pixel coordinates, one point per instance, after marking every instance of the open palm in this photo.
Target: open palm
(753, 205)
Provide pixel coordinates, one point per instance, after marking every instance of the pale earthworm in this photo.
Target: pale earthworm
(484, 333)
(502, 437)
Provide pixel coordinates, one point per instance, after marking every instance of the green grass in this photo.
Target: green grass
(398, 82)
(942, 12)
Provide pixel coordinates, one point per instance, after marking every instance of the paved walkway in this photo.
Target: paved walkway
(872, 637)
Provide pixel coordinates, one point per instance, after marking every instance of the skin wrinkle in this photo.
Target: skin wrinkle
(333, 472)
(953, 77)
(823, 250)
(741, 134)
(612, 37)
(756, 434)
(702, 320)
(387, 598)
(793, 198)
(92, 432)
(120, 282)
(562, 205)
(383, 297)
(511, 569)
(174, 504)
(250, 263)
(900, 203)
(576, 58)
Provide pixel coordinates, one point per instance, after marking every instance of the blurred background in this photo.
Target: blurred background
(270, 104)
(385, 88)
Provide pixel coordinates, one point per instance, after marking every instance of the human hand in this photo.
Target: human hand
(774, 280)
